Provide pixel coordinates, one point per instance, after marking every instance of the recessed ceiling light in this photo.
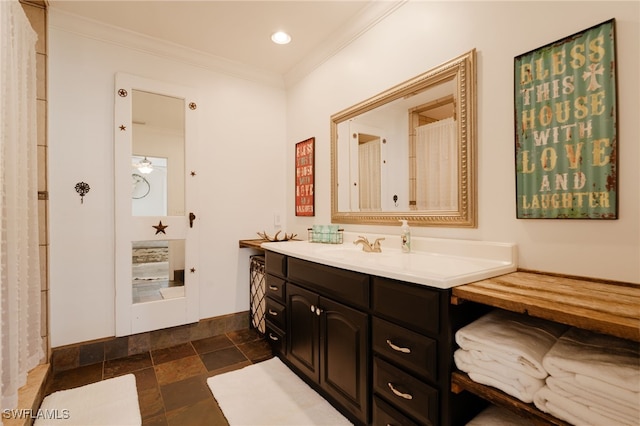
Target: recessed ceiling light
(280, 37)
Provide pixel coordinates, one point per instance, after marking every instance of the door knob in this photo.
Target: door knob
(192, 217)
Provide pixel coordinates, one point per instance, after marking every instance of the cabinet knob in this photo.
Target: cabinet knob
(398, 348)
(318, 311)
(398, 393)
(313, 308)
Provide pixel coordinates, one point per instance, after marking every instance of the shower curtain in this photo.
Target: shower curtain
(20, 340)
(369, 175)
(437, 166)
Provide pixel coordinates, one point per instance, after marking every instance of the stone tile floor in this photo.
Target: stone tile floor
(171, 382)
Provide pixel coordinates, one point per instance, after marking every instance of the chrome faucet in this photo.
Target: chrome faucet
(367, 246)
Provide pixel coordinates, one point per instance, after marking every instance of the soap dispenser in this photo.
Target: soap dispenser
(405, 237)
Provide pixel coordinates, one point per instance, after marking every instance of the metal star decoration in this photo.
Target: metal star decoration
(160, 228)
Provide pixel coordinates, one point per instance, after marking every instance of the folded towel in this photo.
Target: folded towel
(565, 408)
(517, 341)
(491, 373)
(589, 355)
(499, 416)
(623, 396)
(623, 402)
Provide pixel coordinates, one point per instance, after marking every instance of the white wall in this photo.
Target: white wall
(421, 35)
(241, 151)
(248, 131)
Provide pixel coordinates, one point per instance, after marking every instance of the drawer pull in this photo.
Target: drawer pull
(398, 393)
(272, 337)
(273, 288)
(272, 312)
(398, 348)
(313, 308)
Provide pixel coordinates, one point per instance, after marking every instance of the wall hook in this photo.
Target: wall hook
(82, 189)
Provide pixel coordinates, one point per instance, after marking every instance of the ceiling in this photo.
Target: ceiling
(239, 31)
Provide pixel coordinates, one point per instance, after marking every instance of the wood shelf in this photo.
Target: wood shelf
(605, 307)
(254, 244)
(460, 381)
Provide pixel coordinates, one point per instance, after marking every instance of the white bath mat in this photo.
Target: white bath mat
(172, 292)
(109, 402)
(268, 393)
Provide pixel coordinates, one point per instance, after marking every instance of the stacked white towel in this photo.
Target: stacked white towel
(594, 379)
(505, 350)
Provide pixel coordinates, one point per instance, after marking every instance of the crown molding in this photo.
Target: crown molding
(96, 30)
(369, 17)
(111, 34)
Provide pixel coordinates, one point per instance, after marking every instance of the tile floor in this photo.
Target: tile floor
(172, 388)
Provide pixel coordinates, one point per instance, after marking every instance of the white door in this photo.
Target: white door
(367, 192)
(156, 224)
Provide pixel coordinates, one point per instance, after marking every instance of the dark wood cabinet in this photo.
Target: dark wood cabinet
(379, 350)
(276, 311)
(303, 332)
(328, 343)
(407, 330)
(344, 334)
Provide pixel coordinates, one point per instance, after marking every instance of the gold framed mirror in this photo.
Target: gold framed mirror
(409, 152)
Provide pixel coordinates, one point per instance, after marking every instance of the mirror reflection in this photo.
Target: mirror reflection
(157, 162)
(408, 153)
(149, 180)
(157, 270)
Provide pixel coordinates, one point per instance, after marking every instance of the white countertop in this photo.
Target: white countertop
(442, 263)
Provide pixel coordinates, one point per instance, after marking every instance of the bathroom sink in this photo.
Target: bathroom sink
(441, 270)
(355, 253)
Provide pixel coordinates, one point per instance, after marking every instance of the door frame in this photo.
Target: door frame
(136, 318)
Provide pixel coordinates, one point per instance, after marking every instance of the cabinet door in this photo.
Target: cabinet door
(303, 331)
(343, 357)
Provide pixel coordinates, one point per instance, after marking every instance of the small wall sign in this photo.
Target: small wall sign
(565, 128)
(305, 196)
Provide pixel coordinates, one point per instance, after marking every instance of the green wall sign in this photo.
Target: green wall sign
(565, 125)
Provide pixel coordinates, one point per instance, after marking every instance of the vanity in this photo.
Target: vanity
(373, 332)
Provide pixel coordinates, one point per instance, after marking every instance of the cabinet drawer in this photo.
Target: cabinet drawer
(408, 394)
(276, 313)
(276, 264)
(275, 288)
(347, 286)
(385, 415)
(414, 307)
(406, 348)
(275, 337)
